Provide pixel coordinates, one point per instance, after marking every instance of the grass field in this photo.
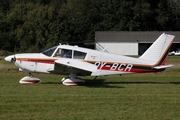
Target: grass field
(128, 97)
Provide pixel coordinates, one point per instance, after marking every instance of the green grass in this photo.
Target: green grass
(129, 97)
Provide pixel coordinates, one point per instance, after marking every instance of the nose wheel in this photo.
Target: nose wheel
(29, 79)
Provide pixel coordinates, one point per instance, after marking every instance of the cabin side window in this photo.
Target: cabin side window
(79, 55)
(64, 53)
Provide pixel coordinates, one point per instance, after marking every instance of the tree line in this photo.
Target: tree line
(32, 26)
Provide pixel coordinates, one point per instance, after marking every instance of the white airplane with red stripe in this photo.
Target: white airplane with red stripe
(77, 61)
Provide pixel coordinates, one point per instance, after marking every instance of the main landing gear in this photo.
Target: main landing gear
(72, 80)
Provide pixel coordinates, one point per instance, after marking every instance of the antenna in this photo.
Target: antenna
(104, 50)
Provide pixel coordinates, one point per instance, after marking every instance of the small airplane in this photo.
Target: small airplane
(78, 61)
(176, 53)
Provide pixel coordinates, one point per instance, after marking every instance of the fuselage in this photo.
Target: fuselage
(106, 63)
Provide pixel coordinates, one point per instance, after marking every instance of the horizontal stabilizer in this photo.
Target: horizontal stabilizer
(163, 66)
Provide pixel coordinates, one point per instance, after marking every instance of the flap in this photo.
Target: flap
(79, 64)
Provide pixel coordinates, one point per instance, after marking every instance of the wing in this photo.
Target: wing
(67, 66)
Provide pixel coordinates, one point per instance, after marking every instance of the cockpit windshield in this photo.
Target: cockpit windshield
(49, 51)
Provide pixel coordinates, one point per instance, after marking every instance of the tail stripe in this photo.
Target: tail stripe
(162, 60)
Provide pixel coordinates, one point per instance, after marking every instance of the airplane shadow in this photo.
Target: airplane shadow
(98, 83)
(101, 83)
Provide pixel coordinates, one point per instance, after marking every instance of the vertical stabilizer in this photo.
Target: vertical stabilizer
(158, 51)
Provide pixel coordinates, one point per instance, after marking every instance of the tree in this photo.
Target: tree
(31, 26)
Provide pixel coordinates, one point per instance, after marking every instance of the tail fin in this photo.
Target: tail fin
(158, 51)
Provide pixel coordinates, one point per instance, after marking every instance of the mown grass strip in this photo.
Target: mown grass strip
(133, 97)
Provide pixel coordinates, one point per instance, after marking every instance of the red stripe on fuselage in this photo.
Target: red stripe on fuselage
(145, 70)
(40, 61)
(135, 69)
(43, 60)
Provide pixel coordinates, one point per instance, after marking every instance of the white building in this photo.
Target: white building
(131, 43)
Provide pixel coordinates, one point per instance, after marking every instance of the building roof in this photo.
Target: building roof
(134, 36)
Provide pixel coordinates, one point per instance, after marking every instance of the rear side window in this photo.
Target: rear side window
(79, 55)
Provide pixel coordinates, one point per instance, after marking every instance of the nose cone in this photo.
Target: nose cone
(9, 58)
